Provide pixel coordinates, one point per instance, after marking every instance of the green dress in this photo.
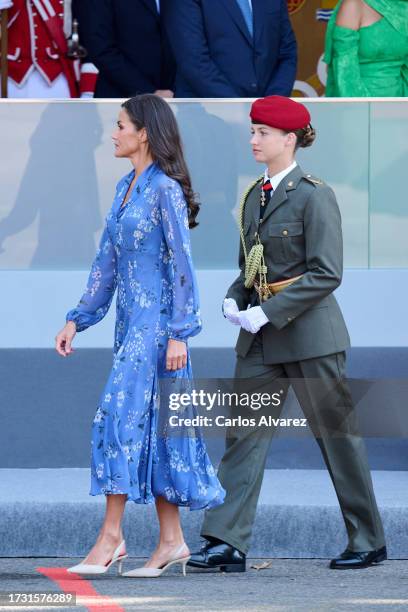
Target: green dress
(371, 61)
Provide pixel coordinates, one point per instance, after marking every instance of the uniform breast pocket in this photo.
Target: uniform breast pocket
(287, 242)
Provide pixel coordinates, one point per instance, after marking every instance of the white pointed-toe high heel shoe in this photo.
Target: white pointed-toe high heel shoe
(87, 568)
(153, 572)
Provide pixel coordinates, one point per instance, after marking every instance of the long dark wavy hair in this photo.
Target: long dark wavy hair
(153, 113)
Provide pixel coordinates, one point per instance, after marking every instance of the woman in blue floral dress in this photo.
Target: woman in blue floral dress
(145, 253)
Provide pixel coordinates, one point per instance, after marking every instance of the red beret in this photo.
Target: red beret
(280, 112)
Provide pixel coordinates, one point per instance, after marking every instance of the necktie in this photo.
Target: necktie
(267, 190)
(246, 10)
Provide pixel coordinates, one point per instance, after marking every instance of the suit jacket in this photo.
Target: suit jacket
(301, 233)
(127, 43)
(216, 56)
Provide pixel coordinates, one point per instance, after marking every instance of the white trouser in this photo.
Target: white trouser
(35, 86)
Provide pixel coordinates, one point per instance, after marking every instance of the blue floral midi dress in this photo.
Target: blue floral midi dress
(144, 252)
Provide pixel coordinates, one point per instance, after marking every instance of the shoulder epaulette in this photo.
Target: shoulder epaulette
(313, 179)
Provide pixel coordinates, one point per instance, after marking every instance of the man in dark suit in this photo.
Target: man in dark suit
(231, 48)
(126, 42)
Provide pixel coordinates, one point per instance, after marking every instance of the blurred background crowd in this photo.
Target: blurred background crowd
(203, 48)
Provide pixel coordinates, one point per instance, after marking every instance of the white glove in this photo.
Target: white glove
(253, 319)
(231, 311)
(4, 4)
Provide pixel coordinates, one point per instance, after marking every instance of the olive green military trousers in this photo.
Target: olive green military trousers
(325, 399)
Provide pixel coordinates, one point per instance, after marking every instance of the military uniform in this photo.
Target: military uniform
(303, 345)
(37, 52)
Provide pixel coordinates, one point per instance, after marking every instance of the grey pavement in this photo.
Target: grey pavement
(48, 512)
(287, 585)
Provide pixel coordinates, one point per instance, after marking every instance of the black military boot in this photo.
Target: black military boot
(216, 553)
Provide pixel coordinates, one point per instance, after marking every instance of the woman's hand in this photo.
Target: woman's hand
(64, 339)
(176, 356)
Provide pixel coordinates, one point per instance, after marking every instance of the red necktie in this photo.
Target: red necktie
(267, 190)
(267, 186)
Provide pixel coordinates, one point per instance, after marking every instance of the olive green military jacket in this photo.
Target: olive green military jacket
(301, 233)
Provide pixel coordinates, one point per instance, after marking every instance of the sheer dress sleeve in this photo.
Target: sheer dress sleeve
(100, 288)
(185, 319)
